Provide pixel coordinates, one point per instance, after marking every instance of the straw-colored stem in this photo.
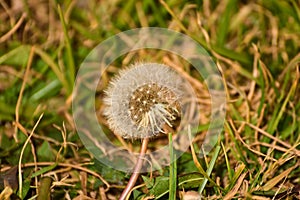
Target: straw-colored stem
(136, 170)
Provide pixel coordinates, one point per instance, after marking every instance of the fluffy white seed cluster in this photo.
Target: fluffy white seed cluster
(142, 99)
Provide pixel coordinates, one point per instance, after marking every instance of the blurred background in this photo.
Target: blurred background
(255, 44)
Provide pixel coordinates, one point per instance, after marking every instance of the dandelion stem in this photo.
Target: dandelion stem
(136, 170)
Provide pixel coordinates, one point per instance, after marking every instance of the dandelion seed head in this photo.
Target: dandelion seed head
(142, 99)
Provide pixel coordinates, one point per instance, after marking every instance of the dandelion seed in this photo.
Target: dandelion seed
(152, 94)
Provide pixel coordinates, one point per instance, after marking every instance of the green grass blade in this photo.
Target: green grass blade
(173, 170)
(70, 60)
(273, 126)
(224, 22)
(47, 59)
(227, 162)
(210, 168)
(44, 170)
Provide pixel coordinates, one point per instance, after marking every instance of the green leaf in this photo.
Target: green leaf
(148, 181)
(44, 152)
(18, 56)
(191, 180)
(109, 174)
(160, 187)
(186, 181)
(26, 187)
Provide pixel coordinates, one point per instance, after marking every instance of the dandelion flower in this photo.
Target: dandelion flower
(142, 99)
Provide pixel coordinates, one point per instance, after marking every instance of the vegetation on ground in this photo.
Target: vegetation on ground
(256, 45)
